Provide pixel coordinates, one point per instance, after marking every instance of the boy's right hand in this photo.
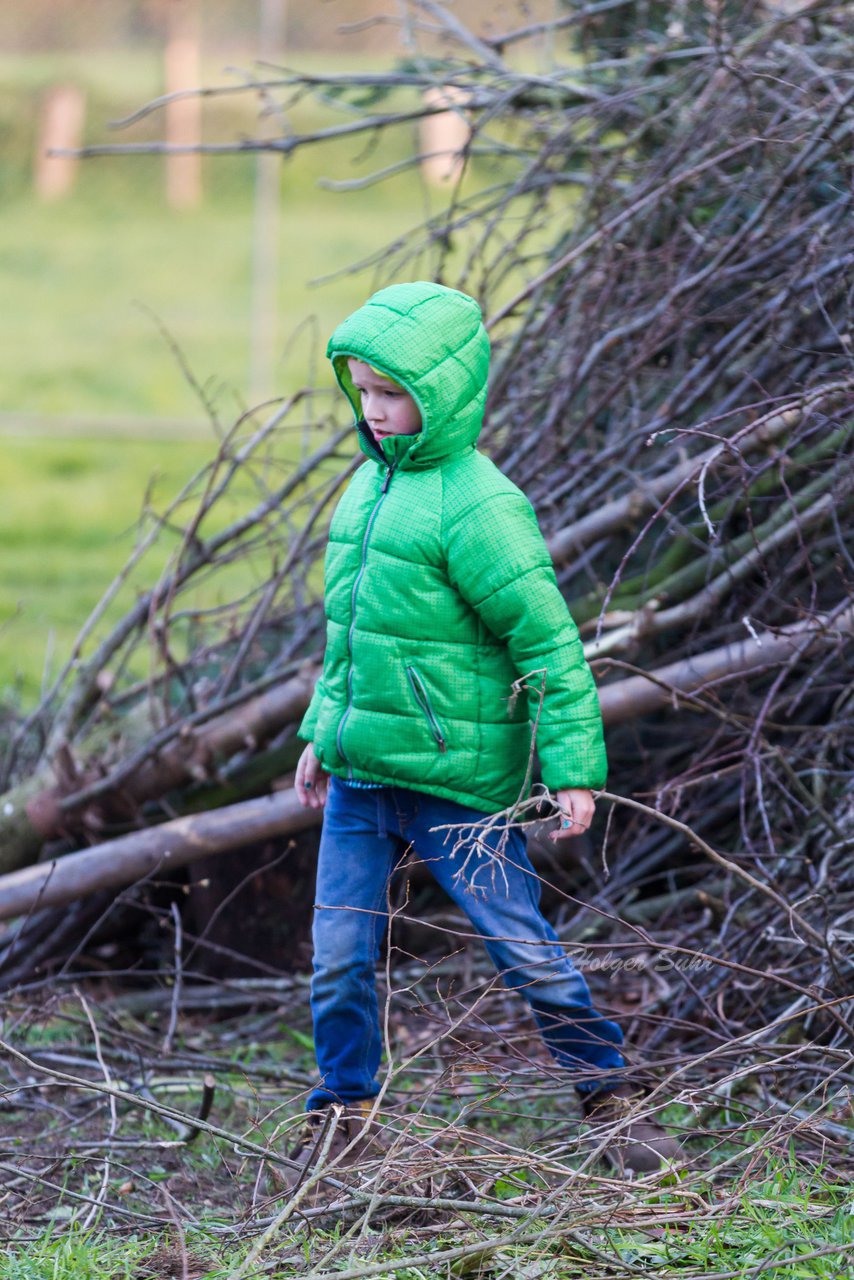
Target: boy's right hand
(311, 782)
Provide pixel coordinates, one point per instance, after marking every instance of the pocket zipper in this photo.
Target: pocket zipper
(420, 694)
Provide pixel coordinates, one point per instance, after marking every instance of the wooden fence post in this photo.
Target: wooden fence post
(63, 115)
(444, 136)
(184, 115)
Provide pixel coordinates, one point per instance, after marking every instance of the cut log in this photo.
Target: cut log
(638, 695)
(33, 813)
(147, 853)
(174, 844)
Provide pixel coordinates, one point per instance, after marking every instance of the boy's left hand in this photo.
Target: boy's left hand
(576, 812)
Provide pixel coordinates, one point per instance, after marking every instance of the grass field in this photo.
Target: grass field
(91, 281)
(67, 522)
(116, 305)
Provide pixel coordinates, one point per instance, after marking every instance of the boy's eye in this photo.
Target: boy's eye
(394, 392)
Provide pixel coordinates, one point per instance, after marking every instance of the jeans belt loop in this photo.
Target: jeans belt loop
(382, 828)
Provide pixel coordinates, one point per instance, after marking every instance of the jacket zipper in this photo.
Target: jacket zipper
(353, 597)
(419, 691)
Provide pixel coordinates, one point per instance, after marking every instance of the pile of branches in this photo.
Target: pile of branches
(121, 1117)
(659, 232)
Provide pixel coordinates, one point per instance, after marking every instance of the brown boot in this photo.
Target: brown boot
(345, 1136)
(638, 1145)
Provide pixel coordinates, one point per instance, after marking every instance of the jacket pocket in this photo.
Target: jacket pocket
(422, 697)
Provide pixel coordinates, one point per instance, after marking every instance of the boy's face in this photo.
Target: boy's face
(386, 407)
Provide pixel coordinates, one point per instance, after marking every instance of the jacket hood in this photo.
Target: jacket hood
(431, 341)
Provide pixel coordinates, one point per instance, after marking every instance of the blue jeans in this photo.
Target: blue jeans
(365, 834)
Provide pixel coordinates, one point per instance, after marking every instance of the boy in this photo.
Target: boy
(440, 597)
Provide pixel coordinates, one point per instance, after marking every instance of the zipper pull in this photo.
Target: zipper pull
(387, 480)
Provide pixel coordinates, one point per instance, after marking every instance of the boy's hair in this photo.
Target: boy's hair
(380, 374)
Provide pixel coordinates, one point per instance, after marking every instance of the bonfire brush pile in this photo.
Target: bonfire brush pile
(661, 236)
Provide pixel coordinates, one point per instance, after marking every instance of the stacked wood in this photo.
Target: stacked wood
(663, 252)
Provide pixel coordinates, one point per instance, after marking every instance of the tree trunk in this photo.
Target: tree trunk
(638, 695)
(174, 844)
(35, 812)
(145, 853)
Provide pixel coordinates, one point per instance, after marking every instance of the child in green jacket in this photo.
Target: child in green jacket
(450, 652)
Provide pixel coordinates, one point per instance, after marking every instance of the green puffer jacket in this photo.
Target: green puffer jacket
(440, 592)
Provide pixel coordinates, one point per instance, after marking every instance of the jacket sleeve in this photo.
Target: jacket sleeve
(499, 563)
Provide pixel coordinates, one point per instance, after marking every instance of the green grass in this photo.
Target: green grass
(778, 1220)
(119, 311)
(101, 291)
(90, 286)
(76, 1256)
(89, 280)
(68, 519)
(97, 1255)
(76, 508)
(791, 1224)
